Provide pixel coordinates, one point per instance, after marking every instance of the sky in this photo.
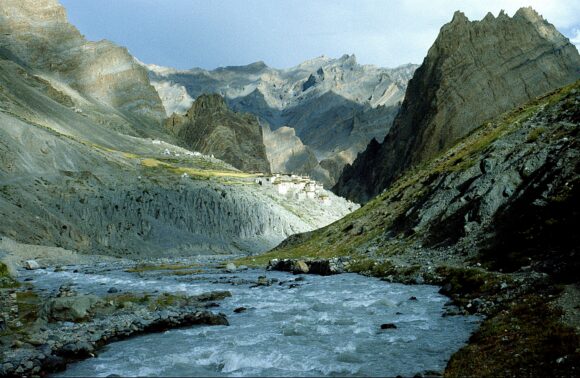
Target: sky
(282, 33)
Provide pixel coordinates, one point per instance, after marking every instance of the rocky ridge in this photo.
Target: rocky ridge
(474, 71)
(99, 79)
(212, 129)
(336, 106)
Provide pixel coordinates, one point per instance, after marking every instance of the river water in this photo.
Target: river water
(313, 326)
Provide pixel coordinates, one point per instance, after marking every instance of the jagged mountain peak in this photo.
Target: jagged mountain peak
(213, 102)
(450, 94)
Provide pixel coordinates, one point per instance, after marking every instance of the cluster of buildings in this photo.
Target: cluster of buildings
(298, 187)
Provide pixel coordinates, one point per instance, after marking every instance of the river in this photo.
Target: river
(297, 326)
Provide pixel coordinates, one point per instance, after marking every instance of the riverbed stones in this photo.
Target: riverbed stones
(323, 267)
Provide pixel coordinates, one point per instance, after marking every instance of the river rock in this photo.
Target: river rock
(31, 265)
(300, 267)
(80, 349)
(263, 281)
(112, 290)
(388, 326)
(73, 309)
(231, 267)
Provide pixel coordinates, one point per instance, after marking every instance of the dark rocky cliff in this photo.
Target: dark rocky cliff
(474, 71)
(210, 127)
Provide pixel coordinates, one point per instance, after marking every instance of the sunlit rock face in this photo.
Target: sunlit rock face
(86, 164)
(474, 71)
(36, 34)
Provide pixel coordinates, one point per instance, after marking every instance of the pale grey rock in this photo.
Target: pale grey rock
(31, 265)
(75, 308)
(231, 267)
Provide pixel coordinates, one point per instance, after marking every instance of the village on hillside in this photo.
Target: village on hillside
(295, 186)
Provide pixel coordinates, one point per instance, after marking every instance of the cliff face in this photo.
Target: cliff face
(212, 129)
(37, 35)
(473, 72)
(335, 106)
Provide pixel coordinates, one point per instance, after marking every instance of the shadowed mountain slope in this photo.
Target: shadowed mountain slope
(474, 71)
(211, 128)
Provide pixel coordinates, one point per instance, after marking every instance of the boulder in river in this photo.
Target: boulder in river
(300, 267)
(388, 326)
(231, 267)
(31, 265)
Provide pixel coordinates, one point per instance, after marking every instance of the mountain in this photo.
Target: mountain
(492, 220)
(335, 106)
(212, 129)
(99, 78)
(473, 72)
(86, 164)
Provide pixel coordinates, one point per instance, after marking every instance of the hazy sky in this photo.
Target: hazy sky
(283, 33)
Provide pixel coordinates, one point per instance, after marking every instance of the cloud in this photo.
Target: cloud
(575, 38)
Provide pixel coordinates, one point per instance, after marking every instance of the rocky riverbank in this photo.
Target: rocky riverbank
(528, 315)
(42, 333)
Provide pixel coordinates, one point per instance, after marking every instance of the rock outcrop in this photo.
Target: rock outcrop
(336, 106)
(473, 72)
(211, 128)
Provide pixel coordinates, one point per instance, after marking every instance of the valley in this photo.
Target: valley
(330, 218)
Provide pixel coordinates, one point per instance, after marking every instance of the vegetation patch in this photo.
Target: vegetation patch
(6, 280)
(525, 339)
(28, 304)
(466, 283)
(535, 134)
